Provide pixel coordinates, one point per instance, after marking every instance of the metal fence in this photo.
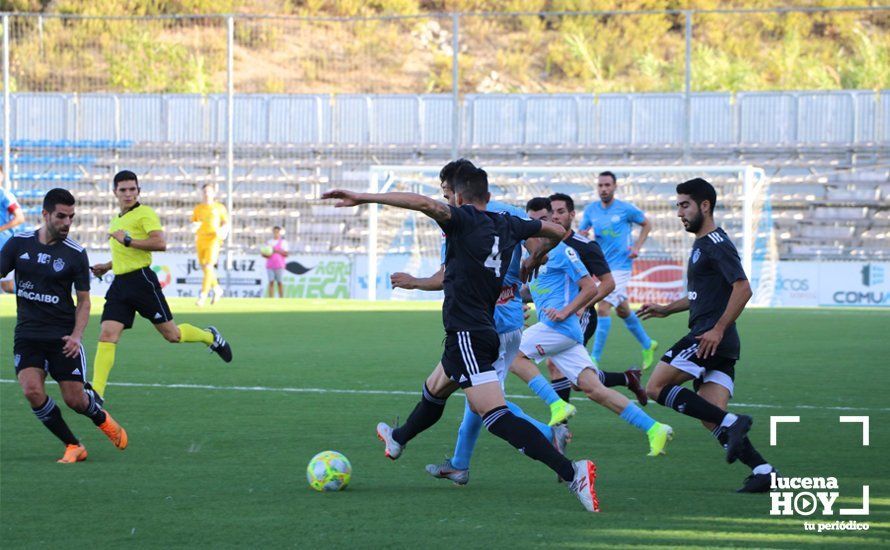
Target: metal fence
(258, 104)
(764, 118)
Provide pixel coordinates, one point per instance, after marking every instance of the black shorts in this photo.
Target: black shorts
(717, 368)
(469, 357)
(137, 291)
(588, 324)
(47, 355)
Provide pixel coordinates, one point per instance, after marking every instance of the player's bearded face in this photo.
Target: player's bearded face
(606, 188)
(690, 214)
(561, 215)
(58, 223)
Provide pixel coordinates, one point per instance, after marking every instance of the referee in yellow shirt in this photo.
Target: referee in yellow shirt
(210, 222)
(134, 234)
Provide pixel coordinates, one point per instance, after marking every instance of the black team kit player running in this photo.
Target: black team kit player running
(49, 326)
(479, 247)
(717, 291)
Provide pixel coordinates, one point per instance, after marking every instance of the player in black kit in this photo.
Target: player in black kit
(562, 209)
(717, 291)
(479, 246)
(49, 329)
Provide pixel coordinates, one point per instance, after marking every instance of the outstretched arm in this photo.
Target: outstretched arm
(655, 311)
(410, 201)
(409, 282)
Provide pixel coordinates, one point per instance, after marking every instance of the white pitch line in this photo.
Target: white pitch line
(415, 393)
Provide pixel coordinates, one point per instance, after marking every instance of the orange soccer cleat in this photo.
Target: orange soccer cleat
(115, 432)
(73, 453)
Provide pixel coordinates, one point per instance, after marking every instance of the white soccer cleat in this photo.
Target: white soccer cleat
(584, 485)
(384, 433)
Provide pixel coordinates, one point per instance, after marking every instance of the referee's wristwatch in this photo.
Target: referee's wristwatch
(127, 240)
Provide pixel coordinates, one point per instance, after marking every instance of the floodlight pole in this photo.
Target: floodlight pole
(7, 177)
(455, 85)
(230, 142)
(372, 238)
(687, 103)
(748, 231)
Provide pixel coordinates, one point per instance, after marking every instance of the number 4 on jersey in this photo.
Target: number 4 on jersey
(494, 259)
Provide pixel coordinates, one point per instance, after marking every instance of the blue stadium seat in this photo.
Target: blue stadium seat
(65, 159)
(50, 176)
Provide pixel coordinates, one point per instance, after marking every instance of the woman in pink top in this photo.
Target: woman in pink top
(275, 261)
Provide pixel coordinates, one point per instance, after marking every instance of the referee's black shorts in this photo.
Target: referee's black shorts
(136, 292)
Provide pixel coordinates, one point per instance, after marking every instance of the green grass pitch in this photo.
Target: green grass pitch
(218, 452)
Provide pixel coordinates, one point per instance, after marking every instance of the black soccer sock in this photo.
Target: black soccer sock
(562, 387)
(748, 454)
(51, 415)
(521, 434)
(612, 379)
(427, 412)
(690, 403)
(94, 410)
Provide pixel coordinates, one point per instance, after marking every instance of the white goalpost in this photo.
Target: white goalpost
(743, 210)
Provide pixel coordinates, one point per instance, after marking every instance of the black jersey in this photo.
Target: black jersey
(591, 254)
(478, 249)
(44, 275)
(713, 267)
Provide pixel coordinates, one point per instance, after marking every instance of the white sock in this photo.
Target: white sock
(728, 420)
(762, 469)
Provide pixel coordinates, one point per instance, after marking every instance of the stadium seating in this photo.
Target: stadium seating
(830, 191)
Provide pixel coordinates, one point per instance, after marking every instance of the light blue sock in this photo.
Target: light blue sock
(467, 435)
(543, 389)
(543, 428)
(603, 324)
(635, 416)
(636, 328)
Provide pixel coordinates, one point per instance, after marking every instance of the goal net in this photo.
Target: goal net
(400, 240)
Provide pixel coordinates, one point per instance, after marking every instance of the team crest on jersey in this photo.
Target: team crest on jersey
(59, 264)
(696, 254)
(18, 359)
(616, 218)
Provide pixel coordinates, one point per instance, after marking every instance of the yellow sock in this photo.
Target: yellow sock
(207, 281)
(191, 333)
(102, 366)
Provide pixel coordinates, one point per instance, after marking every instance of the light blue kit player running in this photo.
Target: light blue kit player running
(11, 220)
(509, 319)
(561, 289)
(612, 223)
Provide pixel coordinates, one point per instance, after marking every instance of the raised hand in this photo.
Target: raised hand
(347, 198)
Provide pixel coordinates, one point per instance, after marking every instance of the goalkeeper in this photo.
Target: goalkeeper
(210, 223)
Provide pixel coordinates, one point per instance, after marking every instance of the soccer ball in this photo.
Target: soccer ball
(266, 251)
(329, 471)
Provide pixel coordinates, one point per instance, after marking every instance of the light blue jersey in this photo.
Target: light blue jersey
(8, 204)
(508, 311)
(613, 230)
(557, 285)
